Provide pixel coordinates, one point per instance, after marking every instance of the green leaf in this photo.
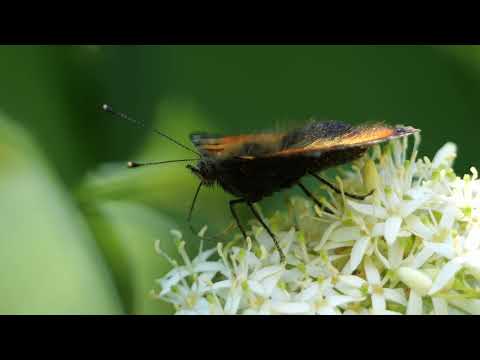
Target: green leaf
(127, 233)
(50, 261)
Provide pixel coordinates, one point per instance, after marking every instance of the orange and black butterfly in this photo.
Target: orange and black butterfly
(252, 167)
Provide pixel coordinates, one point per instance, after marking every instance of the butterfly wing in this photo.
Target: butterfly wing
(313, 140)
(218, 146)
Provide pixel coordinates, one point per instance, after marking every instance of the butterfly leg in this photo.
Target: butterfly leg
(259, 218)
(235, 216)
(192, 207)
(315, 200)
(194, 231)
(353, 196)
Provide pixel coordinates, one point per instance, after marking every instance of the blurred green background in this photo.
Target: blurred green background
(77, 229)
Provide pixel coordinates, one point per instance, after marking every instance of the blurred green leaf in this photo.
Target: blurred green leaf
(127, 233)
(50, 262)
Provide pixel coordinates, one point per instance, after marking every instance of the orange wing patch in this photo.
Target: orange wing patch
(223, 146)
(364, 136)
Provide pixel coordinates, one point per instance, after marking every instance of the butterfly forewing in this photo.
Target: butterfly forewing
(355, 138)
(310, 141)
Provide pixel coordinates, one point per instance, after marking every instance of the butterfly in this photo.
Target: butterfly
(254, 166)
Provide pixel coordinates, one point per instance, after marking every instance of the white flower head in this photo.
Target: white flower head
(412, 247)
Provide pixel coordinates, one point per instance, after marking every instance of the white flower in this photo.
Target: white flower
(412, 247)
(415, 280)
(379, 294)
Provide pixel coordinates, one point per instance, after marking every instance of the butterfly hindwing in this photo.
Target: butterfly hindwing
(223, 147)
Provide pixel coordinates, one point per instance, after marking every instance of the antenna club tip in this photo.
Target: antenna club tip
(106, 107)
(132, 165)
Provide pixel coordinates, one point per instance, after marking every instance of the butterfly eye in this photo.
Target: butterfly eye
(193, 169)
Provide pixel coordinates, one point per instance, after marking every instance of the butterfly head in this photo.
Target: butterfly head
(205, 171)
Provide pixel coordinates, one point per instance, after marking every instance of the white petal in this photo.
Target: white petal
(257, 288)
(415, 304)
(310, 293)
(456, 310)
(420, 196)
(326, 235)
(251, 260)
(422, 257)
(395, 254)
(186, 312)
(395, 295)
(233, 301)
(389, 312)
(345, 234)
(472, 241)
(392, 227)
(471, 260)
(280, 295)
(289, 237)
(372, 210)
(378, 304)
(333, 258)
(347, 289)
(202, 307)
(172, 279)
(338, 300)
(415, 279)
(265, 240)
(251, 312)
(358, 251)
(445, 155)
(266, 272)
(204, 255)
(225, 284)
(404, 233)
(316, 269)
(378, 229)
(291, 308)
(351, 280)
(266, 309)
(325, 310)
(444, 250)
(292, 275)
(270, 283)
(373, 276)
(347, 269)
(448, 217)
(440, 306)
(382, 258)
(416, 226)
(393, 200)
(471, 306)
(445, 275)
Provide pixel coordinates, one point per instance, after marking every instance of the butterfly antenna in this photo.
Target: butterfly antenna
(133, 164)
(109, 109)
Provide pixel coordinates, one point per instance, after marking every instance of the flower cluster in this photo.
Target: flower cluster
(412, 247)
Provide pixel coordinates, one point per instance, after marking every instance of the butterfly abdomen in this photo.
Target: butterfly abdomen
(334, 158)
